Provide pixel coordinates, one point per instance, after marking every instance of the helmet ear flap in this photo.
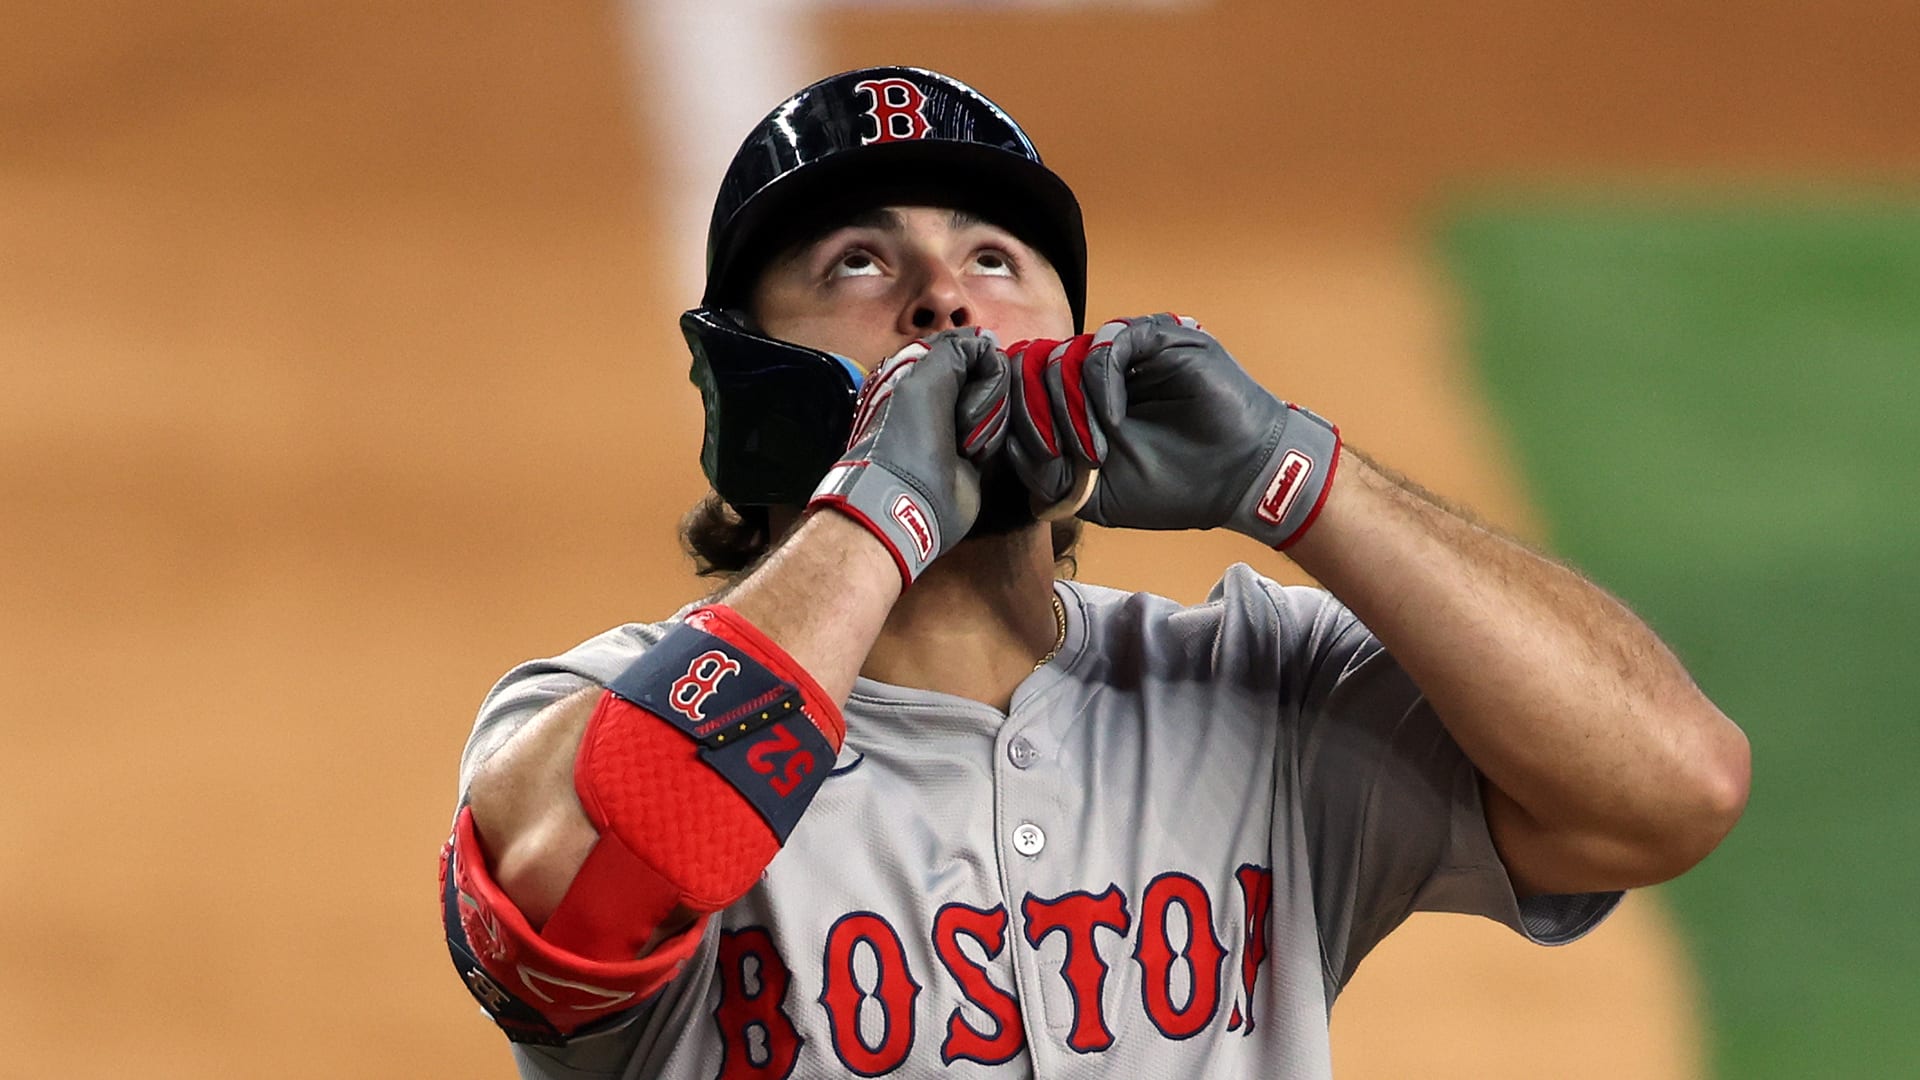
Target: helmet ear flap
(777, 414)
(743, 322)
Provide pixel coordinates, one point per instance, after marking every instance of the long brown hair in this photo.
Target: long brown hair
(725, 542)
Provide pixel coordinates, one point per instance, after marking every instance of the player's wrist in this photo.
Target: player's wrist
(924, 420)
(827, 562)
(1292, 486)
(850, 543)
(887, 510)
(1348, 511)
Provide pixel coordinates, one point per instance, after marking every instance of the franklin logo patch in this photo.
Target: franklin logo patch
(914, 520)
(1284, 488)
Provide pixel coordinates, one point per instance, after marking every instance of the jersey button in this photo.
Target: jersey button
(1023, 752)
(1028, 839)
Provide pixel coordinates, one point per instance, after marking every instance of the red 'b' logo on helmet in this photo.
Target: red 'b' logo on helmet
(897, 110)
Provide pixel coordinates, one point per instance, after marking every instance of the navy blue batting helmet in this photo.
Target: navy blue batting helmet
(898, 135)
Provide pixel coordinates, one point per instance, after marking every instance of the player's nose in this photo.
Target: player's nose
(937, 302)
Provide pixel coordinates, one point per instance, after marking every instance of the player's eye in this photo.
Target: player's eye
(992, 262)
(856, 262)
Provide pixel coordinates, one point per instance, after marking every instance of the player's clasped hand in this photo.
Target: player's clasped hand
(1183, 437)
(924, 418)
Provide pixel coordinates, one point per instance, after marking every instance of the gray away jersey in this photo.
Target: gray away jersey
(1165, 861)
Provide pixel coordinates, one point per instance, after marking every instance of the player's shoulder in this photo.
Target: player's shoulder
(1245, 611)
(598, 658)
(535, 684)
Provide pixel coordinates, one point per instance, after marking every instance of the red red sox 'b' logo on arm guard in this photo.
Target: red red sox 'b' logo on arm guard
(690, 691)
(897, 110)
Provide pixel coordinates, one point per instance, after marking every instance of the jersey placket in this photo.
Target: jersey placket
(1037, 816)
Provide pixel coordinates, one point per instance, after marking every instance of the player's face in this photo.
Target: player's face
(868, 288)
(890, 275)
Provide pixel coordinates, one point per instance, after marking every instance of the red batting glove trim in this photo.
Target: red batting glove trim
(839, 502)
(878, 389)
(1033, 366)
(980, 430)
(1071, 362)
(1325, 490)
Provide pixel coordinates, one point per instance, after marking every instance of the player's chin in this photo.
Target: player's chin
(1005, 506)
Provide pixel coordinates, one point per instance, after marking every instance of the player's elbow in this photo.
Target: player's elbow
(534, 861)
(1709, 796)
(1726, 786)
(529, 822)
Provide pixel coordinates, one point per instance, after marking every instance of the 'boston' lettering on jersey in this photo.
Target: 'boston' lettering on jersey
(762, 1042)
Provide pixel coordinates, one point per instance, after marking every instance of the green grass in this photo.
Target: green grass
(1718, 413)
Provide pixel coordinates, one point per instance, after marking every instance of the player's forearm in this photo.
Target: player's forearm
(822, 596)
(1566, 701)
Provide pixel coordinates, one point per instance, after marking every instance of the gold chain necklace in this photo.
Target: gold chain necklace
(1059, 632)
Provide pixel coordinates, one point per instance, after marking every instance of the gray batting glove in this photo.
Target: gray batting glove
(1182, 436)
(923, 421)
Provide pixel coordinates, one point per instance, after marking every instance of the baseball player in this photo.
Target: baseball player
(898, 802)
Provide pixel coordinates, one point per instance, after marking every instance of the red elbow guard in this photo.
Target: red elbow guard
(701, 756)
(694, 767)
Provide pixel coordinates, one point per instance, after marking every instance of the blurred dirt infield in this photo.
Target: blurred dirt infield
(340, 374)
